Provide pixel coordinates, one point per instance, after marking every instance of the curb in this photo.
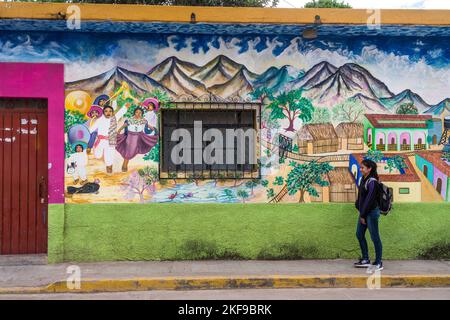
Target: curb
(236, 282)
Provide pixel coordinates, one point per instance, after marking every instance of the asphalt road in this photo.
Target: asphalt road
(253, 294)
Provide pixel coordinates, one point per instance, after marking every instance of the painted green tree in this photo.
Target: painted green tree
(321, 115)
(374, 155)
(407, 108)
(291, 105)
(195, 178)
(72, 118)
(303, 177)
(229, 194)
(278, 181)
(446, 156)
(243, 194)
(173, 176)
(270, 193)
(395, 162)
(262, 94)
(251, 184)
(327, 4)
(349, 111)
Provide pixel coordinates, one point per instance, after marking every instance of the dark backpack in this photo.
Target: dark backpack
(384, 196)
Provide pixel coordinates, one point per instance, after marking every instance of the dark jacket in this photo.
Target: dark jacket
(367, 198)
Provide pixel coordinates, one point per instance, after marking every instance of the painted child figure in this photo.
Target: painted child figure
(106, 126)
(77, 165)
(93, 114)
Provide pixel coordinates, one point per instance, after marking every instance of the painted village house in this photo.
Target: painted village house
(99, 115)
(437, 171)
(405, 183)
(351, 136)
(341, 187)
(317, 138)
(395, 132)
(434, 131)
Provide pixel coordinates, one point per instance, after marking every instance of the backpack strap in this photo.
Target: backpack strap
(368, 180)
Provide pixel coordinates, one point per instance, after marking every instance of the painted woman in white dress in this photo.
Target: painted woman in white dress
(140, 135)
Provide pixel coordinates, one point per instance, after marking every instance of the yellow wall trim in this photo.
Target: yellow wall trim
(18, 10)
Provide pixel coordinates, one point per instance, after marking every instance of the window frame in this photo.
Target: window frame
(212, 174)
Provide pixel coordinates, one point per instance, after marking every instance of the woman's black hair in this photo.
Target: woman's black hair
(79, 145)
(138, 108)
(373, 168)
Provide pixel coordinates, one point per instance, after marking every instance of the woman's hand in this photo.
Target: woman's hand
(362, 220)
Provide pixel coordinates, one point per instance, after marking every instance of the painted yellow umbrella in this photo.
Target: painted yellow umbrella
(78, 101)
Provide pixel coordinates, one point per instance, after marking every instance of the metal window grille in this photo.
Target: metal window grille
(213, 115)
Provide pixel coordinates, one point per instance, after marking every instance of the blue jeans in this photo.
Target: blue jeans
(372, 224)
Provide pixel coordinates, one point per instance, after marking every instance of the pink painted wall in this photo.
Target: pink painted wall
(392, 135)
(380, 136)
(419, 135)
(405, 136)
(42, 80)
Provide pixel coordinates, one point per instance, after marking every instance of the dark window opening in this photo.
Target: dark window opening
(243, 117)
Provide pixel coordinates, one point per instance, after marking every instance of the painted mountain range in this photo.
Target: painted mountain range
(222, 78)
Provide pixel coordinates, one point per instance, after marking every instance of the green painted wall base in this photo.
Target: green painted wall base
(55, 233)
(101, 232)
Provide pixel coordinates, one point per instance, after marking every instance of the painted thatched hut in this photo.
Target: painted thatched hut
(317, 138)
(351, 136)
(342, 186)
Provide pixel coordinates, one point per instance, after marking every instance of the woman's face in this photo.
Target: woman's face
(365, 170)
(94, 114)
(79, 149)
(138, 113)
(151, 107)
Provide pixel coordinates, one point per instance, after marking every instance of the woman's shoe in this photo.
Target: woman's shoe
(362, 263)
(377, 267)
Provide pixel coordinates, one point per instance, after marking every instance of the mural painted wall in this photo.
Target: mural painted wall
(335, 100)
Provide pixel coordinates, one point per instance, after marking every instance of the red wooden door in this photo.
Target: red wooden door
(23, 176)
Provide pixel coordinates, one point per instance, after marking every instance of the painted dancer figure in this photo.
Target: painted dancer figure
(106, 141)
(137, 138)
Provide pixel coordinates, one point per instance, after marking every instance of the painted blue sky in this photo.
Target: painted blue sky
(421, 64)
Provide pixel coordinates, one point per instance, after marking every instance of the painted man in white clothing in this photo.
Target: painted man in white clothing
(106, 142)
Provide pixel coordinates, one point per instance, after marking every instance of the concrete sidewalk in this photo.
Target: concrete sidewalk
(31, 274)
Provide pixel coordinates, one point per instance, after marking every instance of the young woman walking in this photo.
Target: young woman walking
(369, 214)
